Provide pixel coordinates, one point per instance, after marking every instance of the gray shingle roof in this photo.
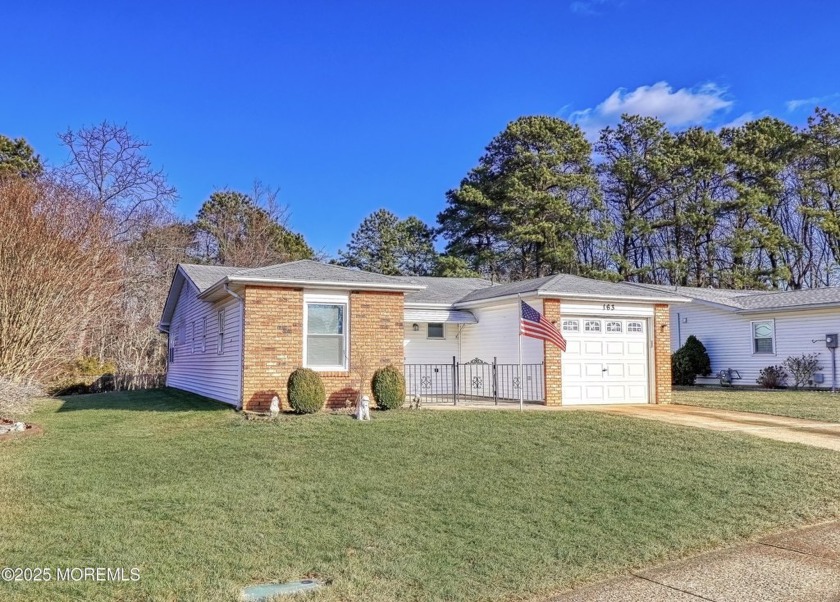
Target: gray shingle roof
(567, 284)
(790, 299)
(205, 276)
(443, 290)
(751, 300)
(305, 270)
(308, 270)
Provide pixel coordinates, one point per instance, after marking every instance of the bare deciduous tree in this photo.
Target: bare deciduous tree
(111, 164)
(59, 268)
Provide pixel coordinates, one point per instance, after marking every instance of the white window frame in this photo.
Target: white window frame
(753, 339)
(614, 322)
(569, 322)
(443, 331)
(326, 299)
(194, 328)
(641, 328)
(599, 330)
(220, 339)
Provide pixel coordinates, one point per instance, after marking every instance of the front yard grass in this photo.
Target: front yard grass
(814, 405)
(415, 505)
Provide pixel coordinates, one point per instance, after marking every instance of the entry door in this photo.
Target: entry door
(606, 360)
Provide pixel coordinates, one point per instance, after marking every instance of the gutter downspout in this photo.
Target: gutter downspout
(241, 345)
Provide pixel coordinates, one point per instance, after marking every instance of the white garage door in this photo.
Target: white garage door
(606, 360)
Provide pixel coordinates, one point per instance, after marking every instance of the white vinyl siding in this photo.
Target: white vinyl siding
(419, 349)
(728, 337)
(497, 335)
(202, 370)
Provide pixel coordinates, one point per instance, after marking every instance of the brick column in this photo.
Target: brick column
(662, 353)
(553, 372)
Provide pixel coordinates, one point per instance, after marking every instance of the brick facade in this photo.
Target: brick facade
(273, 344)
(662, 353)
(552, 366)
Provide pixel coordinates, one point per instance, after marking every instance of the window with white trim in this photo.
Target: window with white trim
(434, 330)
(204, 334)
(763, 335)
(571, 326)
(326, 336)
(634, 327)
(220, 346)
(613, 326)
(592, 326)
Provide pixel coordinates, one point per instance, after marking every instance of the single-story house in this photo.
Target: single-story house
(236, 334)
(745, 331)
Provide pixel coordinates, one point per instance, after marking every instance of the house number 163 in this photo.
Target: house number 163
(609, 306)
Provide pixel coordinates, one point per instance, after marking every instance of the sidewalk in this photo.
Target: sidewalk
(797, 566)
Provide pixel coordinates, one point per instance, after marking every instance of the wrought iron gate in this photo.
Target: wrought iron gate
(474, 381)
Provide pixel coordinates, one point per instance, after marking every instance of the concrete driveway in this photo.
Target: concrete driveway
(780, 428)
(797, 566)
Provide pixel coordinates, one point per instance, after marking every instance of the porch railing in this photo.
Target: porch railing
(474, 381)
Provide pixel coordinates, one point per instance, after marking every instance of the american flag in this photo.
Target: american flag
(532, 324)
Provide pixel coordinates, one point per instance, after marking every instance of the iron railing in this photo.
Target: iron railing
(474, 381)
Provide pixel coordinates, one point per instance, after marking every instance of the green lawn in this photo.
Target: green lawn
(816, 405)
(415, 505)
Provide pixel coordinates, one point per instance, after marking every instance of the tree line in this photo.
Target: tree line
(754, 206)
(88, 247)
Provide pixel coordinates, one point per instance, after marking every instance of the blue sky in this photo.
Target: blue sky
(351, 106)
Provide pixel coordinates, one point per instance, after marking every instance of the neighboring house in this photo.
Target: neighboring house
(746, 331)
(236, 334)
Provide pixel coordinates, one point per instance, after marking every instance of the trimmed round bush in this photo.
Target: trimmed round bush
(388, 386)
(306, 391)
(690, 360)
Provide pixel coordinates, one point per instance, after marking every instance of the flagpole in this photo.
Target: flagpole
(521, 380)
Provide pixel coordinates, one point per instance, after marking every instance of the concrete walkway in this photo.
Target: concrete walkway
(797, 566)
(780, 428)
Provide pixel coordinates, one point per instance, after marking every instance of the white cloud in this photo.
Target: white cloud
(683, 107)
(743, 118)
(810, 103)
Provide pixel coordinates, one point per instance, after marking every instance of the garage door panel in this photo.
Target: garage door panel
(615, 348)
(594, 392)
(616, 393)
(573, 393)
(594, 370)
(638, 393)
(592, 348)
(609, 365)
(615, 371)
(571, 369)
(635, 348)
(636, 369)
